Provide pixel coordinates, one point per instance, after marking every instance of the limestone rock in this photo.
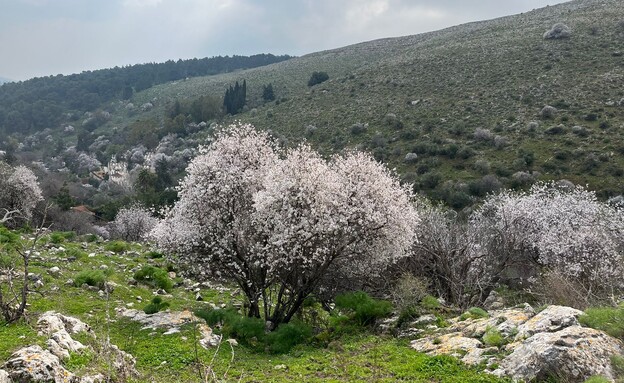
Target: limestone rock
(65, 341)
(494, 301)
(449, 344)
(505, 321)
(99, 378)
(553, 318)
(572, 354)
(208, 338)
(51, 322)
(56, 349)
(54, 271)
(4, 377)
(159, 320)
(33, 364)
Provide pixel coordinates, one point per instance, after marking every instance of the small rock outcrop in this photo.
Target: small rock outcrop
(574, 354)
(34, 364)
(51, 322)
(550, 343)
(551, 319)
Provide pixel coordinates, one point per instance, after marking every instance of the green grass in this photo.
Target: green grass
(607, 319)
(177, 357)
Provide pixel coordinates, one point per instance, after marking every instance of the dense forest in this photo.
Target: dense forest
(33, 105)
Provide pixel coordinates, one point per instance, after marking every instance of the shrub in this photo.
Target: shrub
(57, 237)
(317, 78)
(430, 302)
(91, 278)
(558, 31)
(154, 255)
(364, 309)
(493, 337)
(474, 313)
(288, 335)
(548, 112)
(117, 246)
(247, 331)
(75, 253)
(155, 306)
(132, 223)
(607, 319)
(154, 276)
(358, 128)
(408, 291)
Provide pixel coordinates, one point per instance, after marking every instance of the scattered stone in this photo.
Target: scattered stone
(424, 320)
(208, 338)
(34, 364)
(99, 378)
(572, 355)
(198, 297)
(69, 282)
(110, 286)
(232, 342)
(280, 367)
(54, 271)
(172, 274)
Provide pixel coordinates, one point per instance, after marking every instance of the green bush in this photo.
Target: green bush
(364, 309)
(91, 278)
(7, 237)
(607, 319)
(430, 302)
(155, 306)
(62, 236)
(154, 276)
(154, 255)
(75, 253)
(493, 337)
(474, 313)
(247, 331)
(317, 78)
(287, 336)
(117, 246)
(597, 379)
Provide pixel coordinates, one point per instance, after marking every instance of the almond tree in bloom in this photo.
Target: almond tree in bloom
(19, 194)
(275, 222)
(562, 228)
(132, 223)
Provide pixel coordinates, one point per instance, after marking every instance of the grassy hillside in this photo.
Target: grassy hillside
(177, 356)
(428, 94)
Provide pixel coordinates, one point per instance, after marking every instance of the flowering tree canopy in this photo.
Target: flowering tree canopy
(19, 194)
(132, 223)
(562, 228)
(276, 221)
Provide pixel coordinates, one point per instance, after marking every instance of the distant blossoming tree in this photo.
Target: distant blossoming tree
(275, 221)
(132, 223)
(560, 228)
(19, 194)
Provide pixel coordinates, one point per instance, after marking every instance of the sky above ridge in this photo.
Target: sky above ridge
(49, 37)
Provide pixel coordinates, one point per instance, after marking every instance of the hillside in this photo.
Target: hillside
(456, 111)
(3, 80)
(428, 94)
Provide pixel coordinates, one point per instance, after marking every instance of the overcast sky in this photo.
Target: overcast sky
(48, 37)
